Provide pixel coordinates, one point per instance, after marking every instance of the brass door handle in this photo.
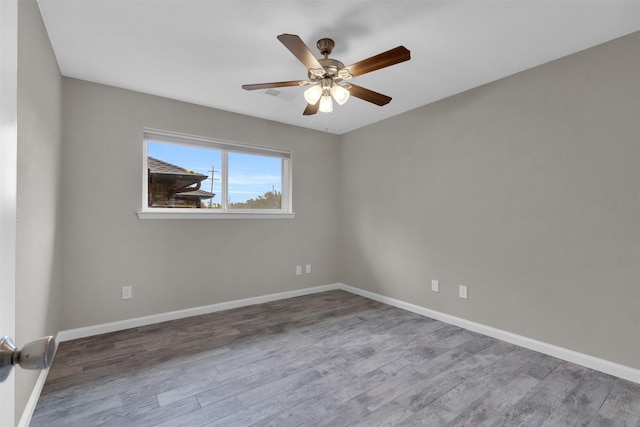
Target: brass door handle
(37, 354)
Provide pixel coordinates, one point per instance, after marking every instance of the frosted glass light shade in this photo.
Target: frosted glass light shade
(326, 104)
(313, 94)
(340, 94)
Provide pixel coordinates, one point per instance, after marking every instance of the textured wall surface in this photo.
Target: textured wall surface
(527, 190)
(38, 232)
(179, 264)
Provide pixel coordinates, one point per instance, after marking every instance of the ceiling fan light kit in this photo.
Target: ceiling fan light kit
(340, 94)
(326, 105)
(326, 75)
(313, 94)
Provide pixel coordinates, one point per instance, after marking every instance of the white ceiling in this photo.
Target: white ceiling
(203, 51)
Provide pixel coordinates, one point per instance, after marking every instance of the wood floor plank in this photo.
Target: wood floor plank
(203, 416)
(422, 396)
(610, 417)
(69, 412)
(249, 416)
(404, 379)
(193, 384)
(583, 403)
(536, 406)
(319, 408)
(460, 398)
(327, 359)
(315, 389)
(144, 416)
(496, 401)
(274, 388)
(387, 415)
(625, 396)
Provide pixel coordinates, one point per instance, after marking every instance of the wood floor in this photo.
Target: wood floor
(329, 359)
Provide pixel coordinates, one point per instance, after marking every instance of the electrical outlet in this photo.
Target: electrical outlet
(308, 268)
(298, 270)
(127, 292)
(435, 286)
(462, 291)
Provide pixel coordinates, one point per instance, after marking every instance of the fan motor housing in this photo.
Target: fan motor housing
(331, 67)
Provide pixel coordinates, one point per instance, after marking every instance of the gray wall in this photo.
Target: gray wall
(179, 264)
(38, 248)
(526, 189)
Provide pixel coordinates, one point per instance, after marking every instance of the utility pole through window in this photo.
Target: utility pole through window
(213, 171)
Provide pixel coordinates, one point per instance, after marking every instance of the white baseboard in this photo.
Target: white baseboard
(591, 362)
(30, 407)
(72, 334)
(25, 419)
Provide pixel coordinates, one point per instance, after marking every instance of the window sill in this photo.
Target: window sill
(213, 215)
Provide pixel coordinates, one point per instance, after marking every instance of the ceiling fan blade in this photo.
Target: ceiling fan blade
(311, 109)
(384, 59)
(300, 51)
(275, 84)
(369, 95)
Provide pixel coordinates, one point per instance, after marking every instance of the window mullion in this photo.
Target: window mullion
(284, 192)
(145, 174)
(225, 180)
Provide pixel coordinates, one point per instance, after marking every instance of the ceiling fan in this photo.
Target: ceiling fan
(327, 76)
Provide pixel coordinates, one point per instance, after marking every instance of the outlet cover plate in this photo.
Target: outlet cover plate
(435, 286)
(462, 291)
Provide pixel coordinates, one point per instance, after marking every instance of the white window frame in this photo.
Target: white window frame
(225, 147)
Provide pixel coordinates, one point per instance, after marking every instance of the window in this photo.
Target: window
(195, 177)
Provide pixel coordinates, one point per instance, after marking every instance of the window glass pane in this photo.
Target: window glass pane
(255, 182)
(182, 176)
(190, 172)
